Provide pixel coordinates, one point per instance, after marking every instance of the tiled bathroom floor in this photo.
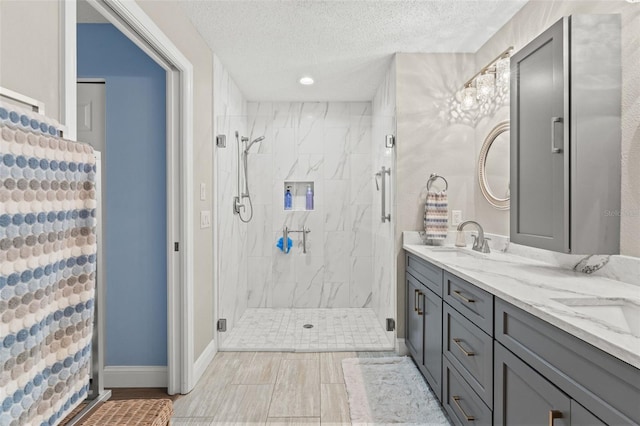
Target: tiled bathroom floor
(272, 388)
(335, 329)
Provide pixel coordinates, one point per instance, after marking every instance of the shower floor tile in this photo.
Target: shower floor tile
(335, 329)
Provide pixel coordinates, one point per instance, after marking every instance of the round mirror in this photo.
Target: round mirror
(493, 167)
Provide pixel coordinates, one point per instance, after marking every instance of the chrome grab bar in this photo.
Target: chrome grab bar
(285, 235)
(383, 189)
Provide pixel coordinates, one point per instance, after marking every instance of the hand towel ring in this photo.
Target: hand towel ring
(433, 178)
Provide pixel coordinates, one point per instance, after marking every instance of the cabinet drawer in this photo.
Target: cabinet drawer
(524, 397)
(471, 301)
(460, 401)
(426, 273)
(470, 351)
(606, 385)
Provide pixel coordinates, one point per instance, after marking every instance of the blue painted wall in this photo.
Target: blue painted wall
(136, 329)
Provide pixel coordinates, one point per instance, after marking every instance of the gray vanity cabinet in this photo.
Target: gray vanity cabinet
(414, 339)
(490, 362)
(565, 137)
(470, 351)
(608, 387)
(432, 336)
(424, 319)
(524, 397)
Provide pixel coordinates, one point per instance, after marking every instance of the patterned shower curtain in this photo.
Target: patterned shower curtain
(47, 270)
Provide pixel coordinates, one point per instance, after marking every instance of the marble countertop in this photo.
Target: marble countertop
(540, 288)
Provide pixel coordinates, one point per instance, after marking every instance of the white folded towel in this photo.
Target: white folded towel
(436, 215)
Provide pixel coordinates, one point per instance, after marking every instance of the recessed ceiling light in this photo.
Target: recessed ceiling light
(306, 81)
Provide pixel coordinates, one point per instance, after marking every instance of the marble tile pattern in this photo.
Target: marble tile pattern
(232, 234)
(335, 329)
(519, 277)
(328, 144)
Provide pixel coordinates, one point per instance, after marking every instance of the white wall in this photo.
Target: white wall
(330, 145)
(432, 137)
(531, 20)
(30, 51)
(231, 243)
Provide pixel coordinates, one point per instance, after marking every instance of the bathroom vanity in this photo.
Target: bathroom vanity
(507, 340)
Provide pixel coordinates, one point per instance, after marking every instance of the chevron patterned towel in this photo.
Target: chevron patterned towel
(436, 215)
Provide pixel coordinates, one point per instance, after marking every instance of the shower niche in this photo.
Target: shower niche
(298, 195)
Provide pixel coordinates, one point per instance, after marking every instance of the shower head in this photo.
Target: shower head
(252, 142)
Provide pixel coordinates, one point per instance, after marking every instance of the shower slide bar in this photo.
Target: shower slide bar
(285, 235)
(383, 192)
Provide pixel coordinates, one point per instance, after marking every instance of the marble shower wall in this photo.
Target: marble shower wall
(531, 20)
(230, 253)
(383, 123)
(329, 144)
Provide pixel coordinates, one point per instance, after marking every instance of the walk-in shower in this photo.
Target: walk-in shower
(340, 277)
(238, 206)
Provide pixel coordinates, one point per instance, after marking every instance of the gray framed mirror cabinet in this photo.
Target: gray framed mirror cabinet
(566, 136)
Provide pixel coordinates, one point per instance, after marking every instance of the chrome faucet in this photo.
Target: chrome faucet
(480, 243)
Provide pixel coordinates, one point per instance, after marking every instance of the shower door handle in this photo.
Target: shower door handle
(383, 193)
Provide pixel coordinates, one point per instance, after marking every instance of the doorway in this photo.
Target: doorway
(133, 23)
(134, 208)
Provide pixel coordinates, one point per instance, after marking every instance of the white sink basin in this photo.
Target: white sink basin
(616, 312)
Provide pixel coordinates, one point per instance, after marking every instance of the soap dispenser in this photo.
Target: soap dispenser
(288, 199)
(309, 203)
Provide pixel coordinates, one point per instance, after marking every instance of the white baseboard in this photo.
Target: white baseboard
(136, 376)
(204, 360)
(401, 347)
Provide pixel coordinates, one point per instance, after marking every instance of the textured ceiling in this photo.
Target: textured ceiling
(345, 45)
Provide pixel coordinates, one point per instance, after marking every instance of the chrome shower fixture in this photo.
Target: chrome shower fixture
(238, 205)
(246, 150)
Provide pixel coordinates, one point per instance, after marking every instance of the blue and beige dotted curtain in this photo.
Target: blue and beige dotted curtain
(47, 269)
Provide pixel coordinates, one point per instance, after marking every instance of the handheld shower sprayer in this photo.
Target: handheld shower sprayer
(246, 150)
(238, 206)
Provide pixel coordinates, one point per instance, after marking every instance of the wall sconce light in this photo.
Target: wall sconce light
(482, 86)
(485, 84)
(503, 72)
(468, 97)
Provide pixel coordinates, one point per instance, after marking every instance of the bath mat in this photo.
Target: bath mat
(389, 391)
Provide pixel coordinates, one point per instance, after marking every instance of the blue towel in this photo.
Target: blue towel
(280, 245)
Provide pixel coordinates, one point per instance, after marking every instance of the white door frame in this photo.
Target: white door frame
(135, 24)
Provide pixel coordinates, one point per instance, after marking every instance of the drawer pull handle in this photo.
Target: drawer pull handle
(463, 350)
(420, 312)
(456, 400)
(554, 414)
(457, 293)
(415, 298)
